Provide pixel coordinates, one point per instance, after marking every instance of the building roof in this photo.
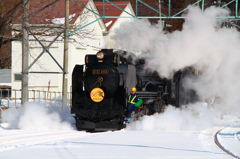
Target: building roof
(111, 10)
(55, 14)
(5, 76)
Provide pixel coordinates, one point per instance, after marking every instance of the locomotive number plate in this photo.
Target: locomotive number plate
(100, 71)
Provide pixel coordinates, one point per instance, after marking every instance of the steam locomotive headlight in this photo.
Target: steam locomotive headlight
(100, 55)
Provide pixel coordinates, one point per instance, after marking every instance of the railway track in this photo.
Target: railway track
(222, 147)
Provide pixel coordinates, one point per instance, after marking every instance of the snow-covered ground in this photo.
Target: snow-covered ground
(127, 143)
(38, 131)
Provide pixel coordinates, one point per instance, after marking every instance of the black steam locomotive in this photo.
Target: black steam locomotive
(99, 93)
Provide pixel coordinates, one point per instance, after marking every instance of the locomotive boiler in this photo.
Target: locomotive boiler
(99, 90)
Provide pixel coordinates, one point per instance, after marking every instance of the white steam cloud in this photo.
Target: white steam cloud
(203, 44)
(33, 116)
(194, 117)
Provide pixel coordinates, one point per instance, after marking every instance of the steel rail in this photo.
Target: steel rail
(222, 147)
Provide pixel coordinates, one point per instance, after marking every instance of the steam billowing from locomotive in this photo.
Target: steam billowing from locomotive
(212, 50)
(99, 90)
(163, 78)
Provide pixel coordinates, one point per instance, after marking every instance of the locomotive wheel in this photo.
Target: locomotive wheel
(145, 111)
(141, 112)
(138, 114)
(159, 106)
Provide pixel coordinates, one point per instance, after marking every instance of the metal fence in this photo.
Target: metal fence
(9, 97)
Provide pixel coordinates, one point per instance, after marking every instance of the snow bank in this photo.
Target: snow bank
(33, 116)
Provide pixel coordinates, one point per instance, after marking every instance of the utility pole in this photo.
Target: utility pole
(160, 9)
(25, 51)
(65, 56)
(160, 15)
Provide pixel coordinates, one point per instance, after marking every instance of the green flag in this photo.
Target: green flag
(139, 102)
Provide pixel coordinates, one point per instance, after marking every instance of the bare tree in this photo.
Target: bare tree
(42, 12)
(9, 11)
